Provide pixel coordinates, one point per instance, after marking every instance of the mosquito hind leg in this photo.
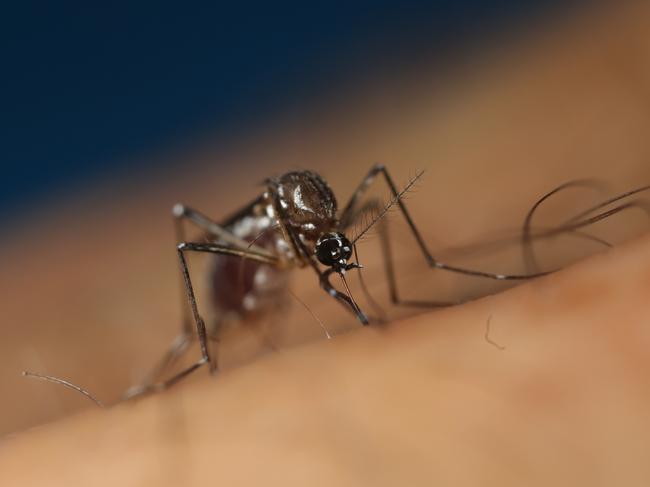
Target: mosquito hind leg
(526, 238)
(527, 235)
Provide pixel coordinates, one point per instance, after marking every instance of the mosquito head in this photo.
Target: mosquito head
(334, 250)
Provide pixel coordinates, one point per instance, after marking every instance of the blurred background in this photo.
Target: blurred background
(111, 114)
(91, 90)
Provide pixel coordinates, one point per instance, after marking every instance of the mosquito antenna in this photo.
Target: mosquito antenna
(387, 207)
(313, 315)
(63, 382)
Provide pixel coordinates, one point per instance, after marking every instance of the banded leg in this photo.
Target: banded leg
(431, 261)
(182, 213)
(191, 297)
(573, 225)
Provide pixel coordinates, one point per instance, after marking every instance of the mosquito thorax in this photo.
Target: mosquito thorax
(306, 204)
(333, 250)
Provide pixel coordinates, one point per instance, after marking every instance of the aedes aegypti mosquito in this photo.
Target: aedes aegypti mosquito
(295, 223)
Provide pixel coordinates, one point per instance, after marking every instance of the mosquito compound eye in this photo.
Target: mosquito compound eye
(333, 249)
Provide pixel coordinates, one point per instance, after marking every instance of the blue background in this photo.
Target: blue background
(87, 88)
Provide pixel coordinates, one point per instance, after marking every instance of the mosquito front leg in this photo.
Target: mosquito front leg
(342, 298)
(215, 231)
(378, 169)
(183, 213)
(372, 207)
(191, 298)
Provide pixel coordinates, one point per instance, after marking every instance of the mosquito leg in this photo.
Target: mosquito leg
(610, 201)
(382, 318)
(200, 331)
(378, 169)
(175, 351)
(342, 298)
(389, 269)
(179, 214)
(526, 239)
(366, 211)
(573, 224)
(182, 213)
(215, 231)
(372, 207)
(200, 325)
(191, 297)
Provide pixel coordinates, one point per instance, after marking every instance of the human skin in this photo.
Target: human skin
(557, 394)
(425, 399)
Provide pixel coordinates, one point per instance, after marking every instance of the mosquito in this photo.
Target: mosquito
(296, 223)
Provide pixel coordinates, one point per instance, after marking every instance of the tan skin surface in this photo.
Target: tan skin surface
(426, 401)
